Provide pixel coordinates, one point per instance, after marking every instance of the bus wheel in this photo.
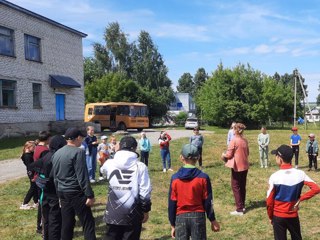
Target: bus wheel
(122, 127)
(139, 129)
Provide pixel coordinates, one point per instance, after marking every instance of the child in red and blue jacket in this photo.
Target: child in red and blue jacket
(190, 198)
(284, 195)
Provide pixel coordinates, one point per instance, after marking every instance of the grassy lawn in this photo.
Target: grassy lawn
(18, 224)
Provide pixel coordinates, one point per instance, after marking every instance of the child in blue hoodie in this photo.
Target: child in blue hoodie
(190, 198)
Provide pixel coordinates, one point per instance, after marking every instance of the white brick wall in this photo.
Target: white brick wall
(61, 54)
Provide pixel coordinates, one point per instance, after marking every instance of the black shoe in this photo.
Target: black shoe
(309, 169)
(39, 231)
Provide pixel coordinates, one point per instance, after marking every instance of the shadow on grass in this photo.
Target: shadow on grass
(255, 204)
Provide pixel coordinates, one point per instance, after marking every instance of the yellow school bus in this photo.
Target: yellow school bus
(118, 115)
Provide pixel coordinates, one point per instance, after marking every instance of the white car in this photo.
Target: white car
(191, 123)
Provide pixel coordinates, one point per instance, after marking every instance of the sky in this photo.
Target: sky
(272, 36)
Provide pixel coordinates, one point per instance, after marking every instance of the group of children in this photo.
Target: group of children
(190, 194)
(311, 148)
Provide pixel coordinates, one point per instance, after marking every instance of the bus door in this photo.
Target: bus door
(113, 118)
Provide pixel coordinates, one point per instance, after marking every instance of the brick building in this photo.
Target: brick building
(41, 72)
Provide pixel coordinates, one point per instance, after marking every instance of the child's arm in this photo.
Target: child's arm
(270, 200)
(314, 189)
(172, 207)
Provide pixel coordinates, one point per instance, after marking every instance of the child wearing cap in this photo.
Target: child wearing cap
(190, 197)
(197, 140)
(103, 153)
(129, 197)
(312, 151)
(295, 141)
(284, 195)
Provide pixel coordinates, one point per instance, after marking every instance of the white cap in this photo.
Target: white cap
(104, 137)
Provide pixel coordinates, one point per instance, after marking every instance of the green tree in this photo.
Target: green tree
(117, 44)
(186, 84)
(200, 78)
(231, 95)
(92, 69)
(318, 97)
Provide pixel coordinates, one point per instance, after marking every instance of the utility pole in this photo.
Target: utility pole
(295, 72)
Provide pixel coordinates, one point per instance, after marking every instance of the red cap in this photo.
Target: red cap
(294, 129)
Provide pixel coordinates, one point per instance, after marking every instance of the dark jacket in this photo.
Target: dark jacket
(27, 159)
(70, 171)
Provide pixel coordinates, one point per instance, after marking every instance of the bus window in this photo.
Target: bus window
(102, 110)
(144, 111)
(123, 110)
(134, 111)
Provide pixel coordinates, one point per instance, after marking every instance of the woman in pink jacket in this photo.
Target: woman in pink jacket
(236, 158)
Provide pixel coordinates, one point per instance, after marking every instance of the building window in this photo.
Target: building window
(36, 88)
(32, 48)
(6, 41)
(7, 93)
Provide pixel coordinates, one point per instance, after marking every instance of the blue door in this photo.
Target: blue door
(60, 107)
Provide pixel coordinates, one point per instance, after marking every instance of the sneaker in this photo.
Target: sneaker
(170, 169)
(92, 181)
(35, 205)
(25, 206)
(309, 169)
(261, 167)
(236, 213)
(164, 170)
(101, 178)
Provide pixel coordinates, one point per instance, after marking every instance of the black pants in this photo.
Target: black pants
(123, 232)
(313, 161)
(75, 204)
(52, 220)
(200, 157)
(32, 193)
(39, 215)
(295, 150)
(281, 225)
(144, 157)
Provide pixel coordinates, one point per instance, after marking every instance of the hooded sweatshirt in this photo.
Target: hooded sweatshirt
(129, 189)
(190, 191)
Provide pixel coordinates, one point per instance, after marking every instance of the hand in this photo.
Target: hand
(271, 221)
(223, 158)
(215, 226)
(296, 206)
(173, 232)
(90, 202)
(145, 217)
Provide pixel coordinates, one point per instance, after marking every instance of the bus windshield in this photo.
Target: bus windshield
(138, 111)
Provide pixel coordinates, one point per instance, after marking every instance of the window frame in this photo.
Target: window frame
(39, 92)
(14, 89)
(28, 45)
(10, 39)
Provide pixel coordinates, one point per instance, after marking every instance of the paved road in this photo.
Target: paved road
(14, 168)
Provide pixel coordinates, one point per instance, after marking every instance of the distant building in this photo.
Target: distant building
(41, 72)
(313, 115)
(183, 102)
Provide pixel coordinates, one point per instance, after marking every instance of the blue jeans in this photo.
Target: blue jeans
(165, 156)
(192, 224)
(91, 161)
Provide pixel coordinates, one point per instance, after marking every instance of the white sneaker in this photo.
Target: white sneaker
(25, 207)
(35, 205)
(164, 170)
(170, 169)
(92, 181)
(101, 178)
(235, 213)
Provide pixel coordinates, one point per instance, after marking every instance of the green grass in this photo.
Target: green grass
(12, 147)
(17, 224)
